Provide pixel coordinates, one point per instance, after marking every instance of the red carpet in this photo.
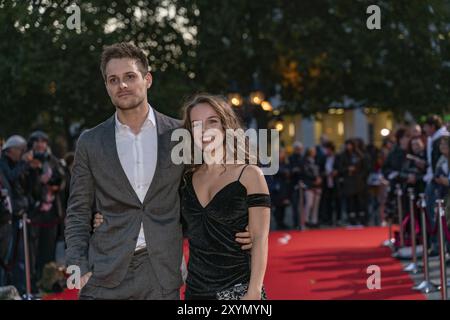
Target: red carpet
(328, 264)
(332, 264)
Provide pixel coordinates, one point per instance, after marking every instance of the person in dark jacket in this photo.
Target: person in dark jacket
(313, 182)
(415, 166)
(442, 171)
(279, 188)
(393, 168)
(15, 164)
(5, 226)
(434, 130)
(295, 165)
(329, 202)
(351, 169)
(47, 184)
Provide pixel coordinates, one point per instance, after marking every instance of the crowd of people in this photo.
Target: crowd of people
(33, 182)
(320, 185)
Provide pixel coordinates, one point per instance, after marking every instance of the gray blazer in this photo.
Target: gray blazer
(100, 183)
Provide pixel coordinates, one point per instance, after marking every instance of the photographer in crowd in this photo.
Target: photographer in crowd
(47, 187)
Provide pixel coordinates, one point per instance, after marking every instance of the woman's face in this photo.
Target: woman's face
(349, 147)
(443, 147)
(417, 146)
(206, 125)
(404, 142)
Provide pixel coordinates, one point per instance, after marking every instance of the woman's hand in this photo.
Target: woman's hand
(442, 181)
(84, 279)
(98, 220)
(245, 239)
(252, 295)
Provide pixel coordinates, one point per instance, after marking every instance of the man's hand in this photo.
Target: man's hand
(411, 178)
(84, 279)
(28, 156)
(35, 164)
(98, 220)
(245, 239)
(351, 170)
(442, 181)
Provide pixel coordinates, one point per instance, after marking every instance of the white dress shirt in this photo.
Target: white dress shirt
(329, 167)
(138, 156)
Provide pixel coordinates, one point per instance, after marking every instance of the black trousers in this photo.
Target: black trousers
(5, 243)
(140, 283)
(43, 247)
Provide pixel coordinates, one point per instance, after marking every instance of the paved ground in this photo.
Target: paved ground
(435, 274)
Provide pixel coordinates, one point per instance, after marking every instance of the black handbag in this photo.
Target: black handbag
(236, 292)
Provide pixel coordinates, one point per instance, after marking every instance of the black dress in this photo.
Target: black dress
(216, 260)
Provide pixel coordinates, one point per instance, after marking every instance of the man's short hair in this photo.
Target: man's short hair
(124, 50)
(435, 121)
(329, 145)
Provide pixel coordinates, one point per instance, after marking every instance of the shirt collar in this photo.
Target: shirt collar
(149, 121)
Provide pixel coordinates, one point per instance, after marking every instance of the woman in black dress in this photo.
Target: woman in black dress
(219, 200)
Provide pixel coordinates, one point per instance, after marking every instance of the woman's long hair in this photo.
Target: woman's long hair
(228, 119)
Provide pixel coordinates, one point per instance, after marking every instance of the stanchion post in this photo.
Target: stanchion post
(400, 213)
(425, 286)
(27, 256)
(441, 216)
(301, 204)
(412, 267)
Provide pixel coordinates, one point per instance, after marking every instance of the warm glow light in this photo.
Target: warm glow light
(340, 111)
(276, 112)
(235, 99)
(291, 129)
(385, 132)
(256, 100)
(235, 102)
(279, 126)
(266, 106)
(332, 111)
(340, 128)
(257, 97)
(389, 123)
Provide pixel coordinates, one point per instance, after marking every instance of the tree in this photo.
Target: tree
(51, 73)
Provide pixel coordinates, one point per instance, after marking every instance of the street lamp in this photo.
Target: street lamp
(266, 106)
(279, 125)
(385, 132)
(256, 97)
(235, 99)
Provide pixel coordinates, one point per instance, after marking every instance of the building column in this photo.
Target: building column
(307, 132)
(356, 125)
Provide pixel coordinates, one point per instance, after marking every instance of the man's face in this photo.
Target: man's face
(429, 130)
(298, 150)
(15, 153)
(40, 146)
(125, 85)
(417, 146)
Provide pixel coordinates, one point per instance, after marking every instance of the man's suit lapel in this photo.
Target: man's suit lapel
(110, 148)
(163, 148)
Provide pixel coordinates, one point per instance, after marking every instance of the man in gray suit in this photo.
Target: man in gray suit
(123, 169)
